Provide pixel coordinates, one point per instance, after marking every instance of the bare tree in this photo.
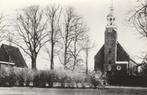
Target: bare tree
(139, 18)
(67, 33)
(53, 14)
(3, 29)
(79, 31)
(31, 28)
(73, 33)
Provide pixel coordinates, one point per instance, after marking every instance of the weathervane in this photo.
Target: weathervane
(111, 7)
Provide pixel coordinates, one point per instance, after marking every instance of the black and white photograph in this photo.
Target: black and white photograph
(73, 47)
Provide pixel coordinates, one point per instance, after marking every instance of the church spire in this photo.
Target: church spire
(110, 17)
(111, 7)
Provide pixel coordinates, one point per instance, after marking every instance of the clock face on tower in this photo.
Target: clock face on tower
(118, 68)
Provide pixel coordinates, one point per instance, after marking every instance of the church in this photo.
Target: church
(112, 59)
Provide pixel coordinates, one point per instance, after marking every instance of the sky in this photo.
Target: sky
(94, 13)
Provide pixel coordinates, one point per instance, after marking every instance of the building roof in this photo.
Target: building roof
(122, 55)
(12, 54)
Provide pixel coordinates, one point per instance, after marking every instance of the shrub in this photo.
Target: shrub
(79, 78)
(60, 77)
(42, 77)
(95, 78)
(7, 77)
(70, 78)
(36, 78)
(12, 77)
(24, 76)
(20, 76)
(29, 76)
(52, 77)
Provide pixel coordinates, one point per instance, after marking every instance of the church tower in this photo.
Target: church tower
(110, 46)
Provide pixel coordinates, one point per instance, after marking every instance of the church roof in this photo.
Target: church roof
(122, 55)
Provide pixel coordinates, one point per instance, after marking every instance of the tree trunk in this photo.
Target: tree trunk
(66, 47)
(65, 56)
(75, 50)
(52, 45)
(86, 60)
(34, 62)
(52, 57)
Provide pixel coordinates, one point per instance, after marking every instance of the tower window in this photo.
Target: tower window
(109, 51)
(110, 19)
(109, 61)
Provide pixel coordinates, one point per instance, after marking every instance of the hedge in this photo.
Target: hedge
(45, 78)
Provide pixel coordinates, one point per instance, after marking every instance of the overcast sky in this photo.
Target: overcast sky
(94, 13)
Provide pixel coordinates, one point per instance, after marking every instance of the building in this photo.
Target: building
(112, 60)
(11, 56)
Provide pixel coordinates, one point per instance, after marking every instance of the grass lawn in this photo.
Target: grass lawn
(55, 91)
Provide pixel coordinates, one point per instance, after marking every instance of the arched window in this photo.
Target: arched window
(109, 51)
(109, 61)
